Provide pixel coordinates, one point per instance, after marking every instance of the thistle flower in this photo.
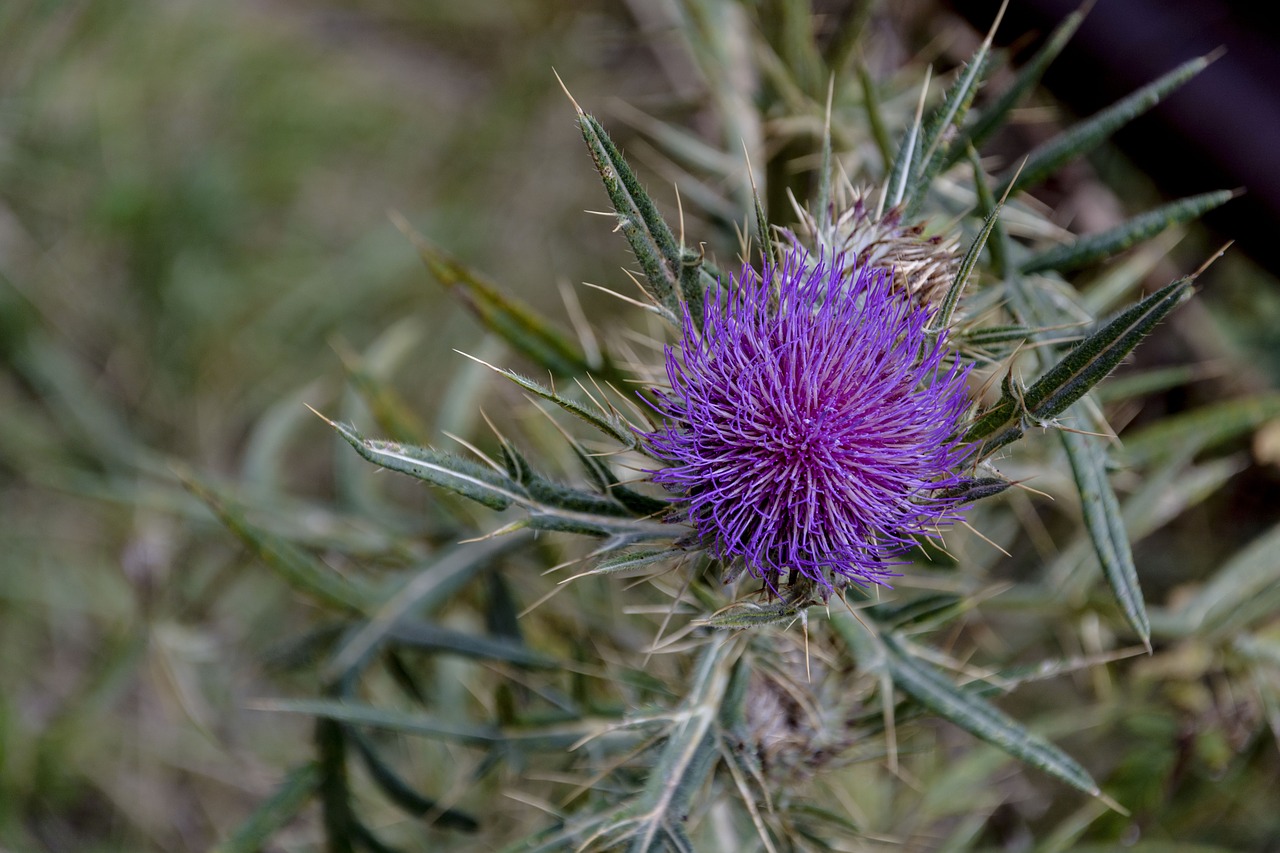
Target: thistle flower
(811, 421)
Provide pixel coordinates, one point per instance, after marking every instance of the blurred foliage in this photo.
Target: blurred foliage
(192, 220)
(193, 245)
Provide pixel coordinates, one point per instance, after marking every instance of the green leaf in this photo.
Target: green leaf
(274, 813)
(1084, 366)
(402, 793)
(948, 115)
(750, 614)
(945, 311)
(301, 570)
(993, 117)
(687, 756)
(1088, 134)
(989, 208)
(1247, 587)
(467, 478)
(975, 489)
(651, 239)
(428, 587)
(1202, 428)
(1105, 524)
(980, 718)
(913, 611)
(555, 496)
(551, 506)
(553, 737)
(504, 315)
(823, 201)
(1096, 247)
(609, 423)
(990, 335)
(640, 505)
(875, 120)
(768, 252)
(903, 164)
(425, 636)
(633, 560)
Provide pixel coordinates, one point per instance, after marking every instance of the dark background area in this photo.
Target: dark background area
(1220, 131)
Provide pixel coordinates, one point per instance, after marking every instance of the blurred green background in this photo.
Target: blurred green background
(193, 221)
(193, 228)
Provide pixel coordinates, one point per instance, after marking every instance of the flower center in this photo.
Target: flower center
(807, 437)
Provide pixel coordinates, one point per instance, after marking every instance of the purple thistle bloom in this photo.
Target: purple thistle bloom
(809, 423)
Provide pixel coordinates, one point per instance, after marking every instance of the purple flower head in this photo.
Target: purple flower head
(810, 422)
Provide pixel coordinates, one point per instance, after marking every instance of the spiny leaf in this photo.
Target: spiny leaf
(633, 560)
(467, 478)
(904, 161)
(608, 423)
(1096, 247)
(1106, 527)
(675, 273)
(948, 115)
(993, 117)
(518, 467)
(990, 335)
(975, 489)
(768, 253)
(640, 505)
(1071, 378)
(1085, 136)
(274, 813)
(687, 756)
(551, 506)
(989, 208)
(504, 315)
(945, 311)
(980, 718)
(651, 239)
(750, 614)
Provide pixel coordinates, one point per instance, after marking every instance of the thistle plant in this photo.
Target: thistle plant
(793, 541)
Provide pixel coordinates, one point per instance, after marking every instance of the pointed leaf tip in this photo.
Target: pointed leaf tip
(577, 108)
